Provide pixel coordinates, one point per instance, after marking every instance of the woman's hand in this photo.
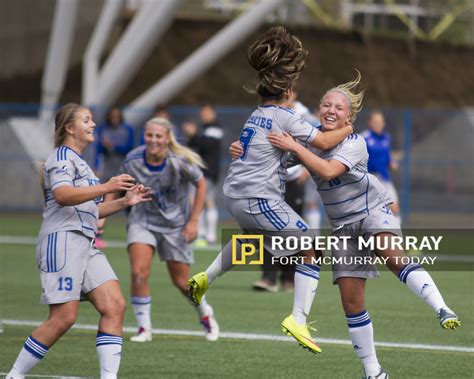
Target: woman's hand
(118, 183)
(283, 141)
(236, 150)
(137, 194)
(190, 231)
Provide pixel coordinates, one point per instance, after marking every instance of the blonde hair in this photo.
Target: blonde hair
(279, 58)
(353, 98)
(65, 115)
(174, 146)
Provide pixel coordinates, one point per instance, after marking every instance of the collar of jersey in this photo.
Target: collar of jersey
(151, 167)
(67, 147)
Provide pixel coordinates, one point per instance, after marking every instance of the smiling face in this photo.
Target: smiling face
(156, 139)
(334, 110)
(80, 132)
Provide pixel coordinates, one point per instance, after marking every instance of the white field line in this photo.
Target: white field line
(51, 376)
(262, 337)
(21, 240)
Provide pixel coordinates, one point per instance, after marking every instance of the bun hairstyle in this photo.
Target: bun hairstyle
(278, 57)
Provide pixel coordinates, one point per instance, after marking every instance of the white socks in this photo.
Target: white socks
(221, 264)
(422, 285)
(361, 333)
(30, 355)
(212, 217)
(306, 283)
(204, 309)
(142, 308)
(109, 349)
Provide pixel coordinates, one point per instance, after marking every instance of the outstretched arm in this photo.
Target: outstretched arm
(136, 195)
(326, 169)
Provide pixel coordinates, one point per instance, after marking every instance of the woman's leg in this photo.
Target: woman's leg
(420, 283)
(179, 274)
(141, 257)
(110, 303)
(361, 332)
(61, 318)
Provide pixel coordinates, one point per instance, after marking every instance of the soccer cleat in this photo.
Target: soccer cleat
(211, 327)
(197, 287)
(448, 319)
(381, 375)
(263, 285)
(300, 333)
(142, 335)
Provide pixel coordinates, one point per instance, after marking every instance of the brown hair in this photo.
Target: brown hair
(279, 58)
(65, 115)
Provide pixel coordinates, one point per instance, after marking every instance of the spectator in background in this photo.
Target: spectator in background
(207, 143)
(380, 158)
(114, 141)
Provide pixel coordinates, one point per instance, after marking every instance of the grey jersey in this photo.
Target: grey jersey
(261, 170)
(64, 167)
(169, 183)
(353, 195)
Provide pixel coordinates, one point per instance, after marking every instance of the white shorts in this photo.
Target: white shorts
(70, 267)
(171, 245)
(380, 220)
(269, 218)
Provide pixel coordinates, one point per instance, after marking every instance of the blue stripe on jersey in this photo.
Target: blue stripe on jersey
(55, 261)
(352, 198)
(48, 246)
(265, 202)
(89, 213)
(342, 185)
(310, 134)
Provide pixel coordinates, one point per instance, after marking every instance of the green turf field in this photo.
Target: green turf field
(398, 317)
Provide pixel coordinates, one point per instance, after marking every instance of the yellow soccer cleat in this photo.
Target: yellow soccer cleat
(448, 319)
(300, 333)
(197, 287)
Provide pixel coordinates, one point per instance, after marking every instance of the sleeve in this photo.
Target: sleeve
(189, 171)
(352, 151)
(300, 129)
(61, 173)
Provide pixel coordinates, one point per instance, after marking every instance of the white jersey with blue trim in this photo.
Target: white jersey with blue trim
(353, 195)
(64, 167)
(170, 185)
(261, 170)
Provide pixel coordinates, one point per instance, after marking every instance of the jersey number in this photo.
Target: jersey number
(65, 284)
(245, 138)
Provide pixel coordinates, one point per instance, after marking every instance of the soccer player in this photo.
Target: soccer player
(71, 268)
(167, 224)
(254, 186)
(379, 145)
(357, 204)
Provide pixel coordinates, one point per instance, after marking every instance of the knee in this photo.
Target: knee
(140, 275)
(114, 306)
(64, 322)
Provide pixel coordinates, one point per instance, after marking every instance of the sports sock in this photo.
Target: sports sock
(361, 333)
(211, 222)
(109, 349)
(203, 309)
(306, 283)
(30, 355)
(221, 264)
(422, 285)
(142, 307)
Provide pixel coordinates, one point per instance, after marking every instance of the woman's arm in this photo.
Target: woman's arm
(326, 169)
(328, 140)
(191, 228)
(67, 195)
(137, 194)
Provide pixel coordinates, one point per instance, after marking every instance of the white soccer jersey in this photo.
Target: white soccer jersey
(353, 195)
(170, 184)
(64, 167)
(261, 170)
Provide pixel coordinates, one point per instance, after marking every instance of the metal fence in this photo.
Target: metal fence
(435, 149)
